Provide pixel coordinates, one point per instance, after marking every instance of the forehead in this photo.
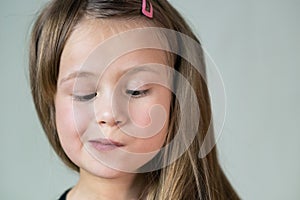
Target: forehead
(89, 33)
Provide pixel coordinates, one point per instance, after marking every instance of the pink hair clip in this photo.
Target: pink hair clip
(145, 12)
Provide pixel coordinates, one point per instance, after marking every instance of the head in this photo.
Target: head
(63, 40)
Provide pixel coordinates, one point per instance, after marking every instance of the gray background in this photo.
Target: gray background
(256, 46)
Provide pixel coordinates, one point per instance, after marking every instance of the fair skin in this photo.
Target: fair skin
(85, 109)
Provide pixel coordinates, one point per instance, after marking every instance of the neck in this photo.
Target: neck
(89, 186)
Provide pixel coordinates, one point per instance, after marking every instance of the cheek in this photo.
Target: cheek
(71, 119)
(154, 143)
(64, 118)
(139, 113)
(68, 128)
(139, 110)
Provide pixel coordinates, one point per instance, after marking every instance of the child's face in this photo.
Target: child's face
(128, 104)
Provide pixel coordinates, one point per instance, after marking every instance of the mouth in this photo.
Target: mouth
(105, 144)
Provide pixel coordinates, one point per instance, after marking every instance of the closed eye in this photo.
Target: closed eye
(137, 93)
(84, 98)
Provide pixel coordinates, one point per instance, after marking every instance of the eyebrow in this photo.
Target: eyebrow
(80, 74)
(76, 74)
(137, 69)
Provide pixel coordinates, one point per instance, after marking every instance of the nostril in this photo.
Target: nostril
(118, 122)
(103, 122)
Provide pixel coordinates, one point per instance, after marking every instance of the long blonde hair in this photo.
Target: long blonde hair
(189, 177)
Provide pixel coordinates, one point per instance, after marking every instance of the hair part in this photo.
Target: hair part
(189, 177)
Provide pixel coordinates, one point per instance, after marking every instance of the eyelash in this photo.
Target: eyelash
(137, 93)
(84, 98)
(132, 93)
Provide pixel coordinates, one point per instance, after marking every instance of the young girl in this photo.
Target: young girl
(121, 103)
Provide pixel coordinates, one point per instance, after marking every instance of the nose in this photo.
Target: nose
(106, 118)
(107, 112)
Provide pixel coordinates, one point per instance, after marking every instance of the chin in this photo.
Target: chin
(102, 171)
(95, 168)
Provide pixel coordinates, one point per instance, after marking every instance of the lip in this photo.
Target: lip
(105, 144)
